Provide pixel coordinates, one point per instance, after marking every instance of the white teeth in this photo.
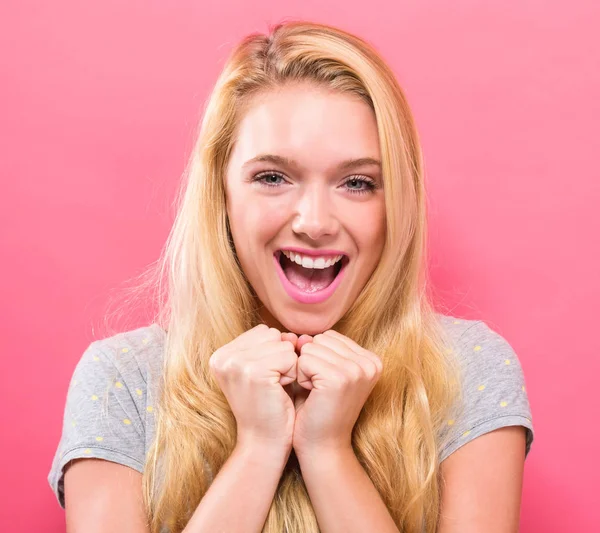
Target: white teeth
(319, 263)
(311, 262)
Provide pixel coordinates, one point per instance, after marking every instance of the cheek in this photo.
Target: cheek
(269, 218)
(256, 220)
(367, 226)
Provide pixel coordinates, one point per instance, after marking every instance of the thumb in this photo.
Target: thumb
(304, 339)
(292, 337)
(290, 377)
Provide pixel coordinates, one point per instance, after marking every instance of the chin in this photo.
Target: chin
(307, 323)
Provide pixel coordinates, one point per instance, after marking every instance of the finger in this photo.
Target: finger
(302, 340)
(314, 370)
(292, 337)
(345, 365)
(346, 340)
(363, 360)
(335, 344)
(282, 360)
(355, 347)
(277, 356)
(322, 351)
(260, 332)
(254, 352)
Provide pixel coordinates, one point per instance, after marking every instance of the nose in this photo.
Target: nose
(314, 215)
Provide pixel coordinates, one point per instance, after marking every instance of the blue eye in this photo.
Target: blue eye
(369, 185)
(263, 175)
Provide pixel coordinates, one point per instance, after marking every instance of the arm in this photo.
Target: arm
(479, 494)
(103, 496)
(240, 496)
(343, 497)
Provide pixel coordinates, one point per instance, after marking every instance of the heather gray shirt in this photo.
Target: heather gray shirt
(111, 402)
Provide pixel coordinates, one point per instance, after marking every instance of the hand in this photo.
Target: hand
(293, 388)
(335, 378)
(251, 370)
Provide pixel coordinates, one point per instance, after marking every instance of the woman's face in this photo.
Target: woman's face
(304, 183)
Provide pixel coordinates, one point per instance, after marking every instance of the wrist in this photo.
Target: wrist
(265, 452)
(314, 453)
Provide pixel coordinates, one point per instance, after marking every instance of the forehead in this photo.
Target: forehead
(311, 125)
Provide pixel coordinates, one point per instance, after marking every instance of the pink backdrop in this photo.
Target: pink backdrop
(98, 106)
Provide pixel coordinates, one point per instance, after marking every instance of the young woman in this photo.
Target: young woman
(297, 378)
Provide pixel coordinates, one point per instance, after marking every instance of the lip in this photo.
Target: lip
(314, 297)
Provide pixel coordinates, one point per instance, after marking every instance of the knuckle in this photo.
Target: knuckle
(356, 374)
(214, 360)
(249, 371)
(372, 371)
(288, 345)
(341, 382)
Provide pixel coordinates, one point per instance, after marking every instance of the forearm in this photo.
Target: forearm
(342, 495)
(240, 496)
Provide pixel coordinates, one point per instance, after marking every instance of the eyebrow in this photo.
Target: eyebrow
(290, 163)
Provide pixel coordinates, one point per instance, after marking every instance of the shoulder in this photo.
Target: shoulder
(139, 350)
(109, 408)
(455, 327)
(494, 392)
(475, 337)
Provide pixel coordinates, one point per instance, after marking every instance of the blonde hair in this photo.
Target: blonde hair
(206, 301)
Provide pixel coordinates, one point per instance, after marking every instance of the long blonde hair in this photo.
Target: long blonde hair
(206, 301)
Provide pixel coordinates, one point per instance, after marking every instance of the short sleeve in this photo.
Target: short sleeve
(494, 390)
(102, 414)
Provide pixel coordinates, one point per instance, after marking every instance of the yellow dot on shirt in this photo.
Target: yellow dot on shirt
(481, 387)
(94, 397)
(73, 423)
(87, 450)
(503, 404)
(477, 348)
(75, 382)
(99, 439)
(125, 350)
(456, 322)
(450, 422)
(523, 388)
(138, 391)
(119, 385)
(466, 433)
(149, 409)
(127, 422)
(96, 358)
(507, 362)
(145, 341)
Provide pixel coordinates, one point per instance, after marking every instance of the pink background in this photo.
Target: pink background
(99, 102)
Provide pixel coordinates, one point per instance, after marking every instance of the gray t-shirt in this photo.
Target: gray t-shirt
(111, 402)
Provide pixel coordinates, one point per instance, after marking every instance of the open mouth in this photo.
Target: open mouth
(312, 281)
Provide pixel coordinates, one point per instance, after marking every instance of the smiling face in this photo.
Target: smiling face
(295, 204)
